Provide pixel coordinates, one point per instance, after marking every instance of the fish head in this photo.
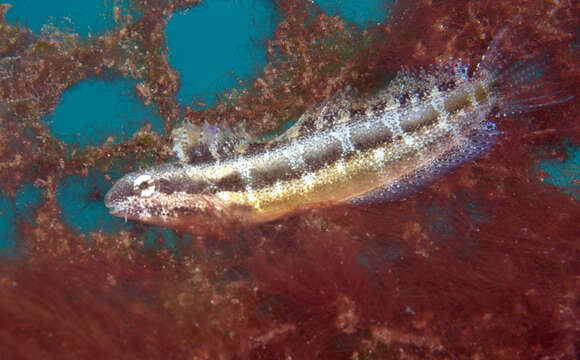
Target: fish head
(171, 195)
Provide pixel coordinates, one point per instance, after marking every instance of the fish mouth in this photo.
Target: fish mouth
(109, 203)
(112, 205)
(120, 207)
(115, 211)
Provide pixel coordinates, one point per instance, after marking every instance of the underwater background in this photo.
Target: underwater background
(482, 264)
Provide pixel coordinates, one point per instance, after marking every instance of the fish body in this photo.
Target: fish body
(351, 148)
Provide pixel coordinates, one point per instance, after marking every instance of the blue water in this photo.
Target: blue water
(216, 43)
(27, 197)
(364, 13)
(84, 16)
(94, 109)
(7, 226)
(80, 199)
(565, 174)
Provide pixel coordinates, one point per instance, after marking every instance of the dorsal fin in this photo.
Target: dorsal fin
(185, 139)
(417, 83)
(334, 110)
(198, 144)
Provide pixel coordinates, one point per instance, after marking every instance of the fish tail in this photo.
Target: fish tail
(520, 73)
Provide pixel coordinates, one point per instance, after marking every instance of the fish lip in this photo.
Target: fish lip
(117, 211)
(111, 204)
(113, 210)
(108, 202)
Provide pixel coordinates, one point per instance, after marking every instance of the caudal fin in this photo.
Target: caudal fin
(520, 72)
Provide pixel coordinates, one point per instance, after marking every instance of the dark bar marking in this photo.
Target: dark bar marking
(281, 170)
(316, 158)
(426, 118)
(165, 186)
(199, 154)
(193, 187)
(231, 182)
(364, 139)
(456, 102)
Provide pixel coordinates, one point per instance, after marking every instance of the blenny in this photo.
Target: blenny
(351, 148)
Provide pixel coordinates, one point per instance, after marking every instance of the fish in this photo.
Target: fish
(352, 148)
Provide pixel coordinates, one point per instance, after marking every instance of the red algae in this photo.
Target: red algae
(482, 264)
(58, 310)
(412, 288)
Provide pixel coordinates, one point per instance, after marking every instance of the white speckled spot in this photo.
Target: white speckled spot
(148, 191)
(141, 179)
(309, 180)
(379, 154)
(144, 191)
(340, 166)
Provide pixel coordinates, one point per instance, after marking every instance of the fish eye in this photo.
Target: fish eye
(144, 185)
